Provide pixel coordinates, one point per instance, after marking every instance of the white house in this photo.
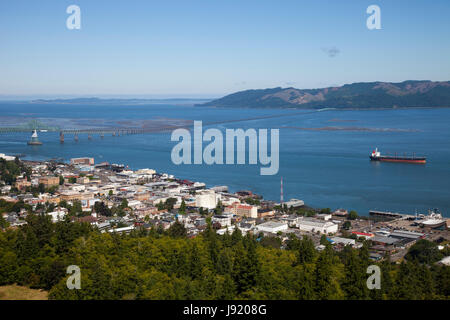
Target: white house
(134, 203)
(224, 220)
(245, 227)
(58, 215)
(206, 199)
(222, 231)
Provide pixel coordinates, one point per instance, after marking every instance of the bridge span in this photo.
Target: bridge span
(35, 126)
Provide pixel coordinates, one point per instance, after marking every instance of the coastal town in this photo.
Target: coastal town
(115, 199)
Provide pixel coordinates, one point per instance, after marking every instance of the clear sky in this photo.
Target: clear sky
(215, 47)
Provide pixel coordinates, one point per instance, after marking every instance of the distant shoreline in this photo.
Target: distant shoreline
(322, 109)
(194, 103)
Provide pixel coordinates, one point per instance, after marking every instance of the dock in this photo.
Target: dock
(391, 215)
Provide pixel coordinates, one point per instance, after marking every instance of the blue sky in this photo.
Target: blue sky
(215, 47)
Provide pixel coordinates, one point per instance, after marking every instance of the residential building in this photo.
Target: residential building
(206, 199)
(265, 213)
(49, 181)
(83, 180)
(245, 210)
(224, 220)
(22, 184)
(58, 215)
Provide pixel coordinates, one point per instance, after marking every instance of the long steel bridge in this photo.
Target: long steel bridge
(35, 126)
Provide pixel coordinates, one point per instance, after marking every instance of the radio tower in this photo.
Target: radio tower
(281, 191)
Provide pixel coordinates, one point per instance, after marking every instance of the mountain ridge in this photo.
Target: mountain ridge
(360, 95)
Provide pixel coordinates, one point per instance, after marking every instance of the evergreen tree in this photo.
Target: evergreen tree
(355, 278)
(424, 251)
(404, 288)
(227, 288)
(305, 282)
(195, 264)
(236, 236)
(443, 281)
(177, 230)
(327, 276)
(182, 209)
(306, 251)
(352, 215)
(386, 277)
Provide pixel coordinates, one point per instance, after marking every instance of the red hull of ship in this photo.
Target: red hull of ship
(404, 161)
(376, 156)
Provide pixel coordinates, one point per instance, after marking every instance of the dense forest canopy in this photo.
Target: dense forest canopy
(158, 264)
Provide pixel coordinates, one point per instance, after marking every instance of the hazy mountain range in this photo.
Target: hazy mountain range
(405, 94)
(125, 101)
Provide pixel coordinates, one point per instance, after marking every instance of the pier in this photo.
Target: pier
(391, 215)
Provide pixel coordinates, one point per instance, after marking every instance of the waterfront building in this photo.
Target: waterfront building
(340, 213)
(82, 161)
(220, 188)
(294, 203)
(314, 225)
(7, 158)
(272, 227)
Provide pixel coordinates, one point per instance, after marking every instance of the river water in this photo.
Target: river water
(324, 156)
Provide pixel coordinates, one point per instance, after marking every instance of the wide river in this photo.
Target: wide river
(324, 156)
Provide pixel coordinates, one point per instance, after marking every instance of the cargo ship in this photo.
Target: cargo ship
(377, 156)
(433, 220)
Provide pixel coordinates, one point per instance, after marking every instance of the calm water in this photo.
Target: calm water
(324, 168)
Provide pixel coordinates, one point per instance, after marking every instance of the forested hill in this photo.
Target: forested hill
(406, 94)
(160, 264)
